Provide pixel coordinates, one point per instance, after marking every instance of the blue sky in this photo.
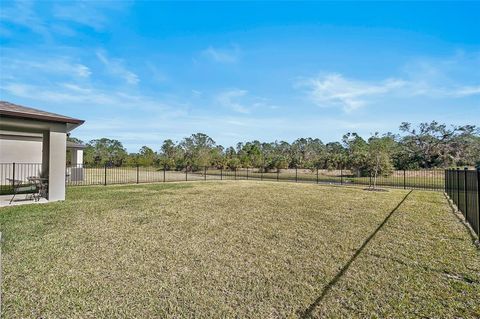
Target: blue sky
(142, 72)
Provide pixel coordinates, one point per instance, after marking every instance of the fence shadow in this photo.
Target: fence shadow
(308, 312)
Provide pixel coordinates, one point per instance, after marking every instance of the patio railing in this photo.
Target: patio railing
(17, 171)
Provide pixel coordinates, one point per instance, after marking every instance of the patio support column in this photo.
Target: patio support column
(56, 165)
(45, 153)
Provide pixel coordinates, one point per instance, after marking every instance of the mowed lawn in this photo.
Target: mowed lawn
(238, 249)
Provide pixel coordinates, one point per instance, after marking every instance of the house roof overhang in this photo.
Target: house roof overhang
(15, 111)
(75, 146)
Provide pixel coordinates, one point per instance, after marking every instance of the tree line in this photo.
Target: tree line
(429, 145)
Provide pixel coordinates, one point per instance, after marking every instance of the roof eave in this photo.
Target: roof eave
(73, 121)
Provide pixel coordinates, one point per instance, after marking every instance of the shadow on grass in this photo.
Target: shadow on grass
(308, 312)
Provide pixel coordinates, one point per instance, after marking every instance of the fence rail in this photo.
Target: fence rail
(78, 175)
(463, 187)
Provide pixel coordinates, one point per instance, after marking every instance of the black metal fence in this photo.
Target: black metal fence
(463, 188)
(433, 179)
(406, 179)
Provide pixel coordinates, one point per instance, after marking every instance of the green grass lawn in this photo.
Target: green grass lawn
(238, 249)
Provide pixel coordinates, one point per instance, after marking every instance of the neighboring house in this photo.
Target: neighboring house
(32, 136)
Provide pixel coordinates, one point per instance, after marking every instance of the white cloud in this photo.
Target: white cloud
(26, 65)
(23, 13)
(82, 70)
(241, 101)
(467, 90)
(230, 99)
(116, 67)
(336, 90)
(60, 66)
(441, 92)
(81, 13)
(58, 18)
(66, 94)
(447, 78)
(77, 95)
(450, 78)
(156, 73)
(230, 55)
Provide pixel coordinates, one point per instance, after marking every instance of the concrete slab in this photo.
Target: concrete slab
(20, 199)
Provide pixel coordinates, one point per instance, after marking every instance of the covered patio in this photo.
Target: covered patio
(53, 129)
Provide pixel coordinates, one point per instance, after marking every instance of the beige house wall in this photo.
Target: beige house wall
(20, 148)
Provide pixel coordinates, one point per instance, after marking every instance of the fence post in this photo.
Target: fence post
(247, 173)
(205, 173)
(278, 173)
(221, 173)
(341, 176)
(317, 175)
(446, 181)
(186, 173)
(296, 174)
(458, 188)
(261, 173)
(105, 179)
(0, 273)
(478, 201)
(465, 190)
(404, 179)
(137, 173)
(235, 173)
(450, 183)
(164, 171)
(13, 175)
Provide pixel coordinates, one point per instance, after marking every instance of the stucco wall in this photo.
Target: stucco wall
(20, 149)
(57, 162)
